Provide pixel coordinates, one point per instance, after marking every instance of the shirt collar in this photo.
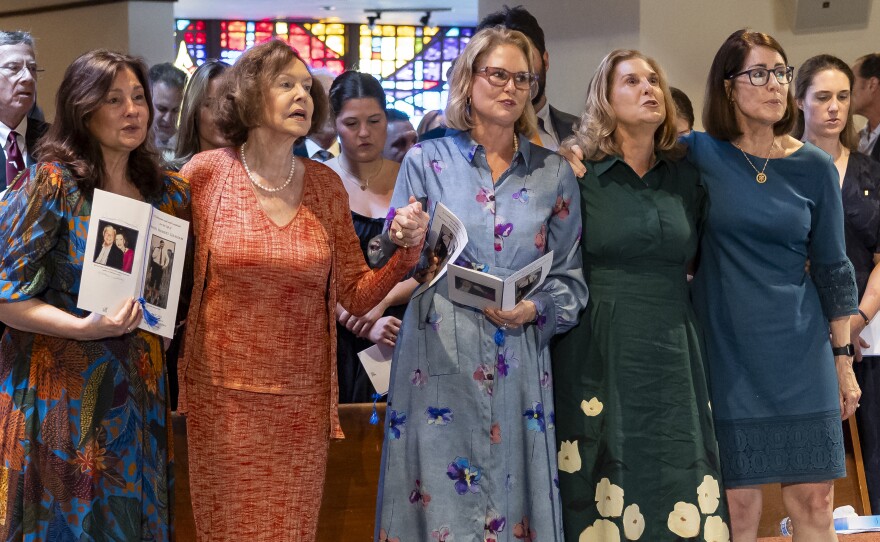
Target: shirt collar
(468, 147)
(20, 129)
(605, 164)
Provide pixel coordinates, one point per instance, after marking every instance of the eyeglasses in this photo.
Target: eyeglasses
(761, 76)
(14, 69)
(498, 77)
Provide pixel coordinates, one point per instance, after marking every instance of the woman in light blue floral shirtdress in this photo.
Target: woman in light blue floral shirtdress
(469, 448)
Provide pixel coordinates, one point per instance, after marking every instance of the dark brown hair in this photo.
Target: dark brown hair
(82, 91)
(804, 81)
(243, 101)
(719, 116)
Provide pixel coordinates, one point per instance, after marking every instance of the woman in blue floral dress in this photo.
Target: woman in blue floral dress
(85, 445)
(469, 444)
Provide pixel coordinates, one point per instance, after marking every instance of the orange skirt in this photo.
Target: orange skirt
(256, 463)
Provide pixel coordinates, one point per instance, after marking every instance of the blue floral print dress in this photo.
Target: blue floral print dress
(470, 451)
(85, 432)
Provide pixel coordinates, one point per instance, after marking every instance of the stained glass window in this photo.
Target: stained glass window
(410, 61)
(323, 45)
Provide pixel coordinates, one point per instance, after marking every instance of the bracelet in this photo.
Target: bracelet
(865, 316)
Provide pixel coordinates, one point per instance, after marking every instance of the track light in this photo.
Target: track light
(371, 19)
(426, 19)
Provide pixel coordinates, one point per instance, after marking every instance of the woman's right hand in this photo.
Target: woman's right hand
(575, 157)
(97, 326)
(409, 225)
(385, 331)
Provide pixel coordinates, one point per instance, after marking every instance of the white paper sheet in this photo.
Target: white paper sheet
(377, 362)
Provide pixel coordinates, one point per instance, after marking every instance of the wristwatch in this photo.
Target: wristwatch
(845, 350)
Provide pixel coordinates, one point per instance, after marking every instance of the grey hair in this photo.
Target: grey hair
(16, 37)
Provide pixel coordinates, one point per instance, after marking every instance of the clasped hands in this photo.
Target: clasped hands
(409, 225)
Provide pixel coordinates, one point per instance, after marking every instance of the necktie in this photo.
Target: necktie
(14, 159)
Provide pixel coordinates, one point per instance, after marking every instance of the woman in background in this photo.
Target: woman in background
(823, 91)
(357, 102)
(85, 442)
(197, 129)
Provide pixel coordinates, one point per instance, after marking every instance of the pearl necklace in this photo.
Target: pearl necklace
(364, 184)
(258, 185)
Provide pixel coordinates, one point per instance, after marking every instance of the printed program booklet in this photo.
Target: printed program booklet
(133, 250)
(446, 238)
(480, 290)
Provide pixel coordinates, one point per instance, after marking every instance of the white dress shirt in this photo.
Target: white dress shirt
(549, 140)
(867, 139)
(21, 129)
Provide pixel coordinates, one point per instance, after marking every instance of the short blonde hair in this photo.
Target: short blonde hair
(458, 115)
(595, 131)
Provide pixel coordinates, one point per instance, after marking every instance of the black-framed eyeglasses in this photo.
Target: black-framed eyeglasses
(761, 76)
(14, 69)
(499, 77)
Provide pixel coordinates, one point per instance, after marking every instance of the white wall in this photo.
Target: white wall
(683, 35)
(61, 36)
(577, 33)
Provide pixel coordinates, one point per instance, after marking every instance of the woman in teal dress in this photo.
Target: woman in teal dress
(637, 452)
(773, 279)
(85, 446)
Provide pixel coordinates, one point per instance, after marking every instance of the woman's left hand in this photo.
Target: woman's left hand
(409, 225)
(524, 312)
(361, 325)
(850, 393)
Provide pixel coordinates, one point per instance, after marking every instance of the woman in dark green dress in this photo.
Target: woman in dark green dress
(638, 458)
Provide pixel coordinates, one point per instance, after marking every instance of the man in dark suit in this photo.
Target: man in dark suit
(18, 88)
(866, 102)
(553, 124)
(108, 253)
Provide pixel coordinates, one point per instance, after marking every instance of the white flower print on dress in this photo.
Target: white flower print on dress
(633, 522)
(593, 407)
(569, 457)
(716, 530)
(609, 499)
(708, 494)
(684, 520)
(600, 531)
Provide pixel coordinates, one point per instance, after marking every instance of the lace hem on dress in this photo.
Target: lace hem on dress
(804, 448)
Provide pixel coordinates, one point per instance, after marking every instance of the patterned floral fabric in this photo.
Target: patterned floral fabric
(85, 446)
(470, 451)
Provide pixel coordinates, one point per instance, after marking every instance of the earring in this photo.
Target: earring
(467, 105)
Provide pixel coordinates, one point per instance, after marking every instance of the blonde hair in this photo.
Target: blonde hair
(595, 130)
(458, 115)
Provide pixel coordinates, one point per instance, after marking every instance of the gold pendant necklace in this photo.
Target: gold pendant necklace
(364, 184)
(761, 178)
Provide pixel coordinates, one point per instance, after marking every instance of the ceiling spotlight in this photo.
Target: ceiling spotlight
(371, 19)
(425, 19)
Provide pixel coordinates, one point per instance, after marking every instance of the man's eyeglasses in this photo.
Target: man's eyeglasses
(761, 76)
(14, 69)
(499, 77)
